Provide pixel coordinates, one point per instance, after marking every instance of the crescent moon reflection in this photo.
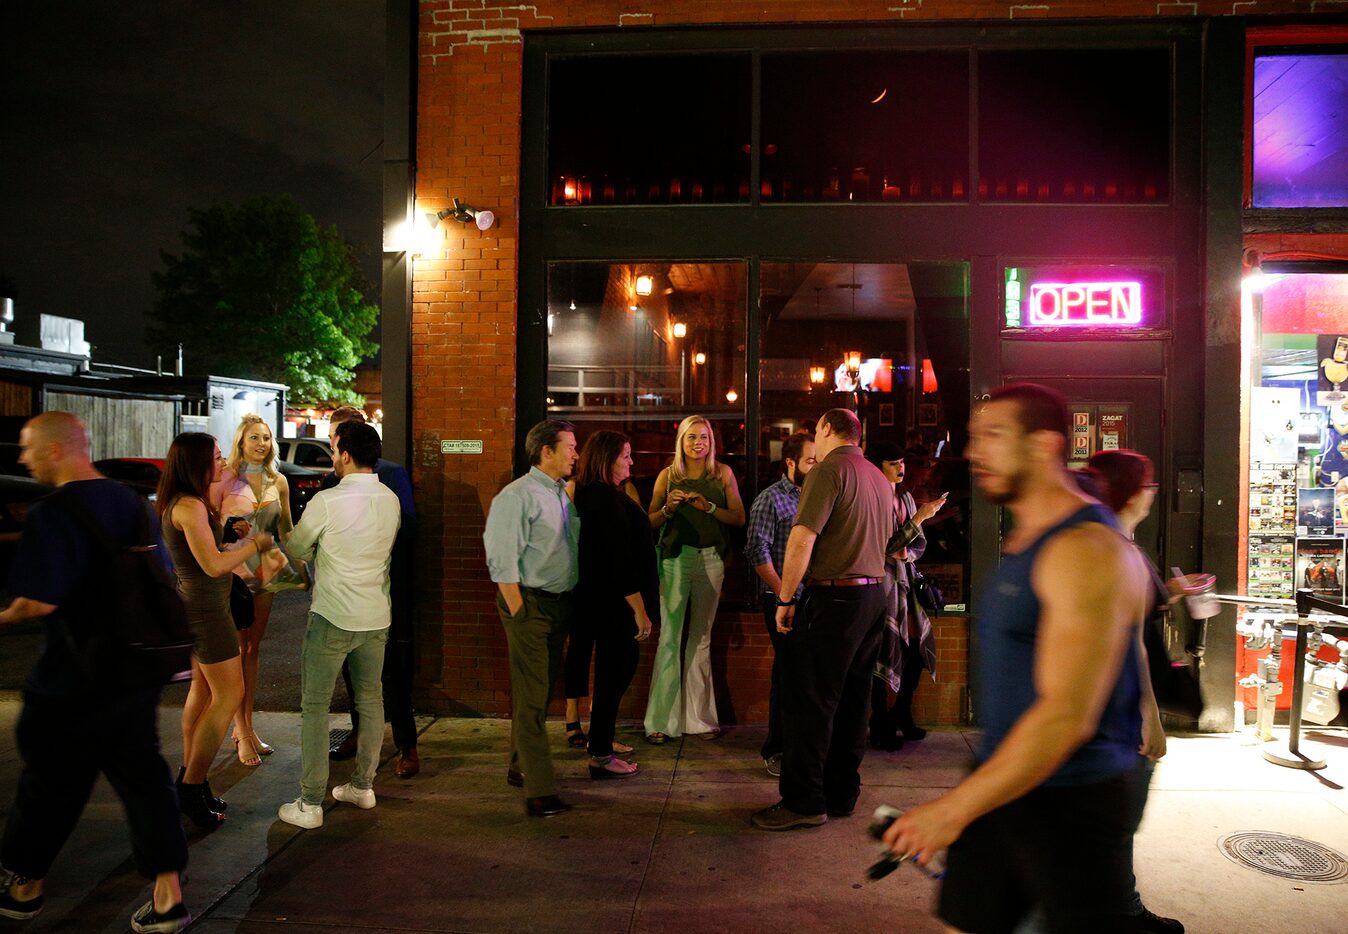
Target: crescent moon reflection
(881, 97)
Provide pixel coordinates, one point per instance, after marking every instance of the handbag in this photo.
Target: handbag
(926, 591)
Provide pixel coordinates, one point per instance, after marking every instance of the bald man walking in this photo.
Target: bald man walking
(72, 727)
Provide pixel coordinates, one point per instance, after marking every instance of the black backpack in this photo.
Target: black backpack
(140, 637)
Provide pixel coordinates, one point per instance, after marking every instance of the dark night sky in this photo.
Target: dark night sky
(116, 118)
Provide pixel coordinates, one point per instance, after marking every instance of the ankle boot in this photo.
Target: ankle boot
(192, 802)
(216, 804)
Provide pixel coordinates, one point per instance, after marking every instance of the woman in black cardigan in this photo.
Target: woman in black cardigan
(619, 586)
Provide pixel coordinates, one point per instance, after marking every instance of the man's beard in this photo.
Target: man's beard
(1015, 485)
(797, 478)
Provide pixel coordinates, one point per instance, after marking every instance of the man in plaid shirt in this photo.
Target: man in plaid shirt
(770, 520)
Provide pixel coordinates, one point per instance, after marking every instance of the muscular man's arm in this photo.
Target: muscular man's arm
(799, 548)
(1086, 624)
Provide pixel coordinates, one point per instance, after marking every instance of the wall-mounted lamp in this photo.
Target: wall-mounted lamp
(817, 375)
(644, 285)
(680, 330)
(462, 213)
(853, 360)
(731, 395)
(699, 358)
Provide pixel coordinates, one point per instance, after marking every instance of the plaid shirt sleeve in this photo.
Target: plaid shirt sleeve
(762, 528)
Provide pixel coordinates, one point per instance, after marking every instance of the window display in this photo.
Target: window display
(1297, 518)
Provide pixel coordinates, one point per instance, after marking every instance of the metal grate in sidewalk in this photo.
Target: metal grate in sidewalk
(1281, 854)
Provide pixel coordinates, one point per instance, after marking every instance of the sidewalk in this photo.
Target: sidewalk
(668, 850)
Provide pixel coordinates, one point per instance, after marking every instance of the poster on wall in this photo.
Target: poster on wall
(1333, 353)
(1319, 568)
(1315, 511)
(1270, 571)
(1275, 414)
(1310, 428)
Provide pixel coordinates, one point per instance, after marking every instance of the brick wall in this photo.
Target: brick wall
(463, 316)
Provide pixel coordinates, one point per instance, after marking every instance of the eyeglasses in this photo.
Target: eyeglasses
(1151, 487)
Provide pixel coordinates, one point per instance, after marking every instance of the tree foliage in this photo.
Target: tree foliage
(261, 291)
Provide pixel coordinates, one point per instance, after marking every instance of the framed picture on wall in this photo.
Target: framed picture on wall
(886, 413)
(926, 414)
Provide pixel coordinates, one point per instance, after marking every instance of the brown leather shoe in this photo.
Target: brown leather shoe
(409, 763)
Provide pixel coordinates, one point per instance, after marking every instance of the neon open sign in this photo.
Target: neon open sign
(1085, 304)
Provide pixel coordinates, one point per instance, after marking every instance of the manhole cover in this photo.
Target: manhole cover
(1281, 854)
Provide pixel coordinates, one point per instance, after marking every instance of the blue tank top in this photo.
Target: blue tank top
(1007, 630)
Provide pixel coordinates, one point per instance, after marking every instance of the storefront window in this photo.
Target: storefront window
(637, 347)
(1297, 516)
(865, 126)
(1300, 132)
(648, 129)
(890, 341)
(1084, 125)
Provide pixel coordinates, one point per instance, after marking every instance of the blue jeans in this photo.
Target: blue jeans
(326, 647)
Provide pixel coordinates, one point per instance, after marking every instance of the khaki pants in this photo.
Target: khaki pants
(536, 636)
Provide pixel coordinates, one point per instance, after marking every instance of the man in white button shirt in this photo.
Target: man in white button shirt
(349, 531)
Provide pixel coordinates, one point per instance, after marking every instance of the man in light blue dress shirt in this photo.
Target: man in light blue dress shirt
(532, 542)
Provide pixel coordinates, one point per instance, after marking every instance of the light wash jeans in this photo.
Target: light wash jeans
(325, 648)
(681, 699)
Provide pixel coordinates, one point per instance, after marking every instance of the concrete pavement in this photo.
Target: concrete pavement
(668, 850)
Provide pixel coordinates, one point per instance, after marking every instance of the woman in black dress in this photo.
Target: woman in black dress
(619, 587)
(191, 530)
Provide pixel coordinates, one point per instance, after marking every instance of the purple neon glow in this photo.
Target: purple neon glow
(1085, 304)
(1300, 130)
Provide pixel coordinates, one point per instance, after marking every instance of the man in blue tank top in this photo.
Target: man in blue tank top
(1043, 821)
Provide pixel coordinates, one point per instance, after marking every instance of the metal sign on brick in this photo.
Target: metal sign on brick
(460, 447)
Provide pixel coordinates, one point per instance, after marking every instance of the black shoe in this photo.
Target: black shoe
(515, 778)
(11, 907)
(346, 749)
(912, 732)
(1155, 924)
(147, 920)
(546, 806)
(575, 736)
(841, 812)
(217, 804)
(889, 742)
(192, 802)
(781, 817)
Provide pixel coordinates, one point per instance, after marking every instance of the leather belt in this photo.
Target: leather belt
(540, 592)
(844, 582)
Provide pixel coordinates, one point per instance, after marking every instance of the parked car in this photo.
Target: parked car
(139, 473)
(142, 474)
(17, 495)
(303, 485)
(9, 460)
(313, 453)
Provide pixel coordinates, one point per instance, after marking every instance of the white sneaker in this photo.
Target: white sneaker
(300, 814)
(361, 799)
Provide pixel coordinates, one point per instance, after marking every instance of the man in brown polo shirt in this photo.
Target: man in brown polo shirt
(832, 632)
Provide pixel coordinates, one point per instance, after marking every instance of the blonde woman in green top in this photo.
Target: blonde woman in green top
(695, 499)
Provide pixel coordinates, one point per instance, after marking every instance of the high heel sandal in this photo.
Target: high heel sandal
(575, 736)
(263, 749)
(217, 804)
(252, 761)
(193, 803)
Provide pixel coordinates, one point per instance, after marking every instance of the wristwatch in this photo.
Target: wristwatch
(781, 602)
